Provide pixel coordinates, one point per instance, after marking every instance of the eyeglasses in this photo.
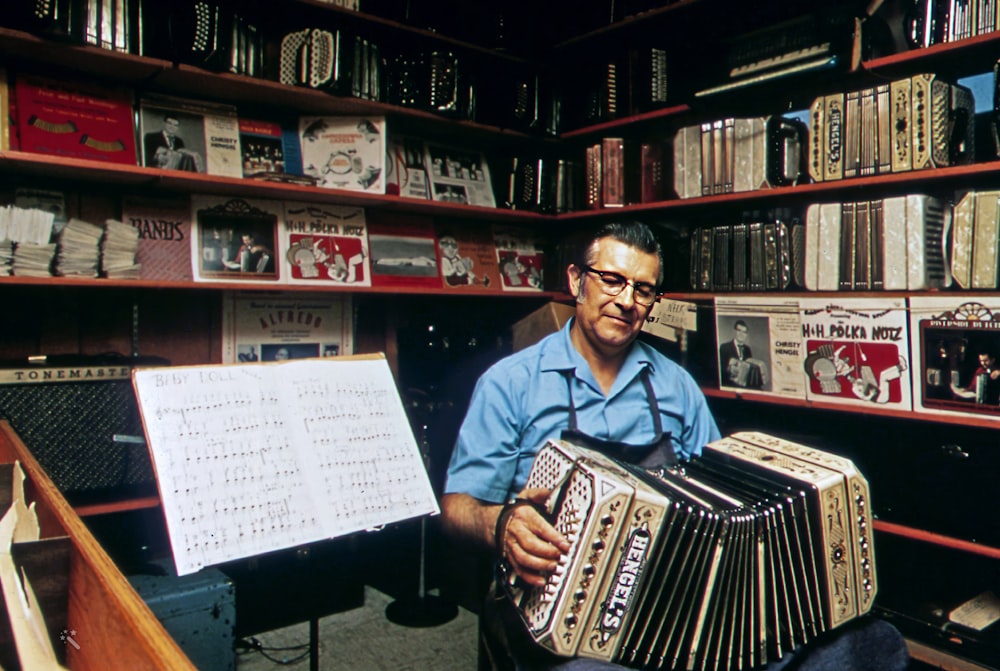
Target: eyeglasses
(612, 284)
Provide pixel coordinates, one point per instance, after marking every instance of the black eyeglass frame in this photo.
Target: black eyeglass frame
(619, 284)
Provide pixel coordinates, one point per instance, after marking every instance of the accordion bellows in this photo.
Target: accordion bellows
(755, 547)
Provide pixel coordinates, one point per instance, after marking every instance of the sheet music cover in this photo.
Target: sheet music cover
(164, 226)
(325, 244)
(256, 457)
(955, 342)
(458, 176)
(467, 257)
(344, 152)
(264, 326)
(236, 239)
(405, 174)
(271, 151)
(67, 118)
(403, 250)
(190, 135)
(520, 257)
(856, 351)
(759, 342)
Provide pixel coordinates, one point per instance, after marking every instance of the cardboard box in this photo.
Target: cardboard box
(545, 320)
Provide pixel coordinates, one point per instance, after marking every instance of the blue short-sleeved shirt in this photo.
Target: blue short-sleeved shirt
(523, 400)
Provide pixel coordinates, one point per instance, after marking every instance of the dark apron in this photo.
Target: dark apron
(656, 454)
(504, 632)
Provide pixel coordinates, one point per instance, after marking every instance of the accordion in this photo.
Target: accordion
(894, 244)
(914, 123)
(738, 154)
(975, 251)
(729, 561)
(749, 256)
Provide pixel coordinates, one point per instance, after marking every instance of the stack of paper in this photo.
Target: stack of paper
(6, 257)
(118, 250)
(33, 260)
(78, 253)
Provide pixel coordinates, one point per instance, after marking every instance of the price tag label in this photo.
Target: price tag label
(669, 316)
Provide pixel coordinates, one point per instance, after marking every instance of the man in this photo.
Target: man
(165, 140)
(736, 348)
(737, 363)
(984, 387)
(612, 392)
(591, 376)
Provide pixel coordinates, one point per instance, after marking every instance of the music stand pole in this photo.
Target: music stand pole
(421, 609)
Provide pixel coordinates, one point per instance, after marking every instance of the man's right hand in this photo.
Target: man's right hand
(530, 544)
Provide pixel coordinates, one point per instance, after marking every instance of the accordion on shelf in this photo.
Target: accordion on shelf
(738, 154)
(914, 123)
(757, 546)
(333, 60)
(749, 256)
(975, 262)
(893, 244)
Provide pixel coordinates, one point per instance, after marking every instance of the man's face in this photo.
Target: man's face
(170, 127)
(986, 361)
(740, 334)
(611, 323)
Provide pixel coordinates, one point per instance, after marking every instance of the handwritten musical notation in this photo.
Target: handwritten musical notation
(253, 458)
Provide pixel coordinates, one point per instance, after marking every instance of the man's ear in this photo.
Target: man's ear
(573, 276)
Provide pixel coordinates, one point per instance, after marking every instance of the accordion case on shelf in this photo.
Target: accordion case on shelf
(753, 548)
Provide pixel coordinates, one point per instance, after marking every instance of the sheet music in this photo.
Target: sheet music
(253, 458)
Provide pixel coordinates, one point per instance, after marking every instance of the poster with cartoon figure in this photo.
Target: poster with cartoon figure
(956, 346)
(325, 244)
(856, 351)
(520, 258)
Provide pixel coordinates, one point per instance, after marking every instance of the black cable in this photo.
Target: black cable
(254, 645)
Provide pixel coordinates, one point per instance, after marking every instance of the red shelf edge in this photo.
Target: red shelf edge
(911, 415)
(936, 539)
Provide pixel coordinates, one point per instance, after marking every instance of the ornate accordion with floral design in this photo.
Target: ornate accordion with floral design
(755, 547)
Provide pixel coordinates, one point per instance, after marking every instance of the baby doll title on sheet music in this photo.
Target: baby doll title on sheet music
(259, 457)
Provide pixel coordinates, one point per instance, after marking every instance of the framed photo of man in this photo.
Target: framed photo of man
(235, 239)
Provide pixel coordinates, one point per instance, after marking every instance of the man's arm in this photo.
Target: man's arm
(530, 544)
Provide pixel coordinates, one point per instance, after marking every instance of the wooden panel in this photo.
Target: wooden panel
(114, 627)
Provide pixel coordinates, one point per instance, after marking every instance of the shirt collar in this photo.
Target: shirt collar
(558, 354)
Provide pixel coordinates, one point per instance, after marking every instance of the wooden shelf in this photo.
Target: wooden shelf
(617, 124)
(915, 181)
(84, 170)
(871, 409)
(143, 73)
(936, 539)
(271, 286)
(970, 56)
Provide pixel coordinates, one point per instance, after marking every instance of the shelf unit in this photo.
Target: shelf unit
(954, 60)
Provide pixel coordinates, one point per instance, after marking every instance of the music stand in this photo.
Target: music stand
(421, 609)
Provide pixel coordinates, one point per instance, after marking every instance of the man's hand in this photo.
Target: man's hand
(530, 544)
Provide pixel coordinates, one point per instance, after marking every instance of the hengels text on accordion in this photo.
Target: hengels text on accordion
(913, 123)
(754, 548)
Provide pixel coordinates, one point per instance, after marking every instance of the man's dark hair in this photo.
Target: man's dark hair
(632, 233)
(740, 322)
